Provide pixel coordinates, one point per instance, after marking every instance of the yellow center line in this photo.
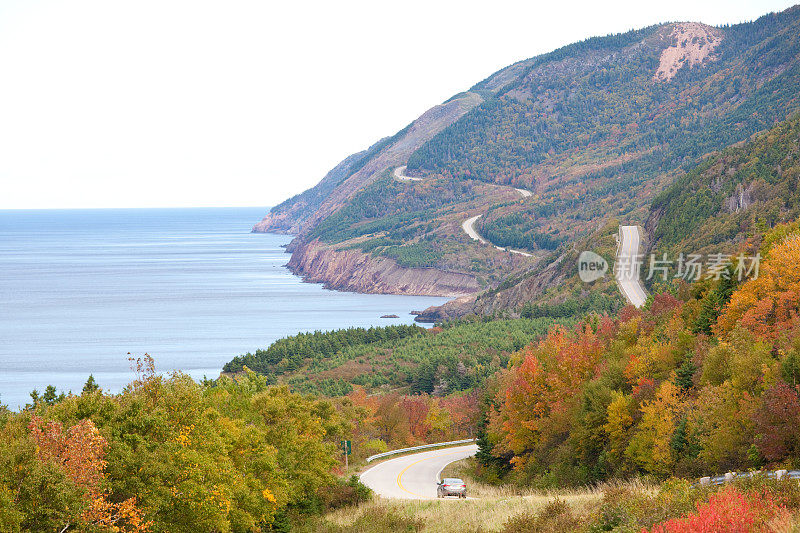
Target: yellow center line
(400, 475)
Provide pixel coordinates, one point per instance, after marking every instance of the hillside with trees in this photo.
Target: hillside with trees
(454, 357)
(169, 454)
(733, 195)
(596, 131)
(703, 380)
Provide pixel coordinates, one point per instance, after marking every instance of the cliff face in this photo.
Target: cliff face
(352, 270)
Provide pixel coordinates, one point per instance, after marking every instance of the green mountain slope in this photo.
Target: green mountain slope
(589, 134)
(592, 128)
(733, 195)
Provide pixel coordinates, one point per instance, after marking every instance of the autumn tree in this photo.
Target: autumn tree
(769, 304)
(778, 423)
(79, 452)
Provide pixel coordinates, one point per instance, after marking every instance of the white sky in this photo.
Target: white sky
(191, 103)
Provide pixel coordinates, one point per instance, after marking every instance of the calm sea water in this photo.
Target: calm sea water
(79, 289)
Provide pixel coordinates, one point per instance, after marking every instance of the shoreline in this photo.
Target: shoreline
(193, 288)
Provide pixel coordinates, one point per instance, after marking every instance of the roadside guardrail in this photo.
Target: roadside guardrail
(730, 476)
(415, 448)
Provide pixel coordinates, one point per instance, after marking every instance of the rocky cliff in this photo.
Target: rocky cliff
(352, 270)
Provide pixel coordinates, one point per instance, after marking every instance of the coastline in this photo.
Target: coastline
(355, 271)
(191, 287)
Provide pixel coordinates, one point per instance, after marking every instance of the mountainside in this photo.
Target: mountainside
(287, 216)
(548, 154)
(724, 200)
(359, 170)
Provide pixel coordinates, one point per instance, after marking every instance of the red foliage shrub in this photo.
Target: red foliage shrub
(778, 423)
(628, 312)
(663, 304)
(728, 511)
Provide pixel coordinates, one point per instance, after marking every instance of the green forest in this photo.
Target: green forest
(455, 356)
(742, 190)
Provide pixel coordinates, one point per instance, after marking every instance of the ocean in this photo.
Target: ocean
(80, 289)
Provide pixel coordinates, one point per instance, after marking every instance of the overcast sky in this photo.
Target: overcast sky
(170, 103)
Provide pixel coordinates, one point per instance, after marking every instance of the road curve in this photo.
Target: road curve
(468, 225)
(399, 175)
(469, 228)
(413, 477)
(627, 267)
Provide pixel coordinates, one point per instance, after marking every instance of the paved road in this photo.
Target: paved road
(469, 228)
(627, 269)
(468, 225)
(413, 477)
(399, 175)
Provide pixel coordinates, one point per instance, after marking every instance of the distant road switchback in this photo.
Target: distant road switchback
(469, 228)
(399, 174)
(468, 225)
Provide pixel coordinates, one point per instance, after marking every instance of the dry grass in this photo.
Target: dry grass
(459, 515)
(487, 510)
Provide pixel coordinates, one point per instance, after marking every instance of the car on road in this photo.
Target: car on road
(451, 486)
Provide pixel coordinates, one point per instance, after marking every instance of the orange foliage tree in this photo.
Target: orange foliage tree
(79, 452)
(768, 305)
(541, 388)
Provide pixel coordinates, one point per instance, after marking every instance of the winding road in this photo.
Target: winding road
(398, 175)
(628, 261)
(468, 225)
(469, 228)
(627, 266)
(413, 477)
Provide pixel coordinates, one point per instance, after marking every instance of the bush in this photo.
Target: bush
(785, 492)
(375, 446)
(555, 516)
(344, 493)
(729, 510)
(620, 507)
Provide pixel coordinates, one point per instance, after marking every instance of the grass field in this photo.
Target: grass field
(488, 509)
(757, 504)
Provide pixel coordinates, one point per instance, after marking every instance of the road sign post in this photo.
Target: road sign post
(347, 450)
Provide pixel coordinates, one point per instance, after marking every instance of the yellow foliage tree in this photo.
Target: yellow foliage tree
(619, 423)
(650, 446)
(769, 304)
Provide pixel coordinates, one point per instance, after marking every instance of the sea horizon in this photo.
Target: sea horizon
(191, 286)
